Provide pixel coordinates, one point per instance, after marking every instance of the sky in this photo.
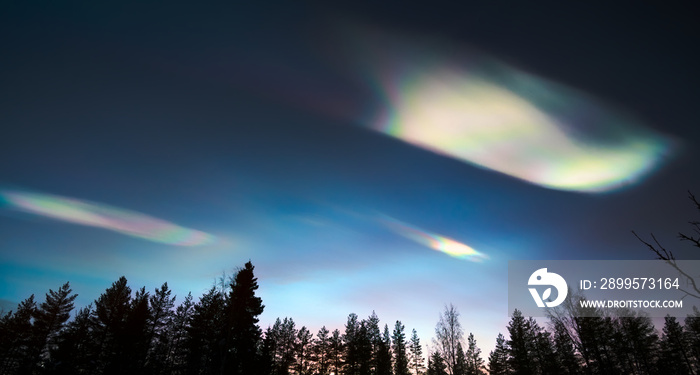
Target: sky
(363, 157)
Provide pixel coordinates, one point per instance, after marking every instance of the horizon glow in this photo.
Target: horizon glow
(126, 222)
(495, 117)
(434, 241)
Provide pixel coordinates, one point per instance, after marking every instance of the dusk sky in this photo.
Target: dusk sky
(362, 157)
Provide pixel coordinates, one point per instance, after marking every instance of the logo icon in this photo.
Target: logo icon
(542, 277)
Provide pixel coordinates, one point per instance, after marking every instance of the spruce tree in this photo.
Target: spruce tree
(178, 327)
(303, 351)
(321, 352)
(204, 334)
(474, 362)
(416, 354)
(498, 359)
(352, 328)
(160, 318)
(16, 344)
(520, 356)
(112, 310)
(565, 350)
(436, 365)
(674, 355)
(49, 320)
(336, 351)
(399, 348)
(77, 349)
(384, 353)
(242, 310)
(460, 367)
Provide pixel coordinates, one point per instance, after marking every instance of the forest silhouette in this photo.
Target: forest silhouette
(127, 332)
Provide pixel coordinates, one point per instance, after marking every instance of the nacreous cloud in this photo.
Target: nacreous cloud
(490, 115)
(102, 216)
(434, 241)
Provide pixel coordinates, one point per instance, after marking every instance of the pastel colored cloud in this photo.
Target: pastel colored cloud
(434, 241)
(103, 216)
(483, 112)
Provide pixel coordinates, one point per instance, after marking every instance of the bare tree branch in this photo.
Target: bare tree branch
(667, 255)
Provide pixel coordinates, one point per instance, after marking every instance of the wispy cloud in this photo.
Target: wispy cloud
(98, 215)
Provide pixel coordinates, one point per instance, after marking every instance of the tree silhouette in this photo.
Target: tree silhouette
(242, 310)
(415, 351)
(321, 352)
(666, 255)
(474, 363)
(159, 320)
(384, 353)
(205, 341)
(520, 358)
(49, 318)
(436, 364)
(336, 351)
(303, 351)
(147, 334)
(448, 335)
(498, 358)
(399, 347)
(112, 310)
(16, 338)
(674, 355)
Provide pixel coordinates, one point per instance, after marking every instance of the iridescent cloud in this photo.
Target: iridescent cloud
(434, 241)
(102, 216)
(493, 116)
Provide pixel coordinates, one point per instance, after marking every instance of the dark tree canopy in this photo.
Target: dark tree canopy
(135, 332)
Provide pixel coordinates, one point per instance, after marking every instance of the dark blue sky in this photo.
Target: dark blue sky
(258, 125)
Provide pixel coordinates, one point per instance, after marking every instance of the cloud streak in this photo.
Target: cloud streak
(103, 216)
(431, 240)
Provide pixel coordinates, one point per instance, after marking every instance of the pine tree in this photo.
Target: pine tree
(375, 337)
(178, 327)
(520, 356)
(112, 310)
(16, 344)
(352, 328)
(460, 367)
(204, 335)
(436, 365)
(321, 352)
(384, 353)
(364, 349)
(303, 351)
(595, 336)
(545, 361)
(77, 349)
(242, 310)
(498, 358)
(674, 357)
(565, 350)
(49, 319)
(475, 364)
(336, 351)
(135, 341)
(159, 320)
(399, 348)
(416, 354)
(638, 342)
(282, 338)
(692, 334)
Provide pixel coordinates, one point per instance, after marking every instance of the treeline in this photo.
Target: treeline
(138, 332)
